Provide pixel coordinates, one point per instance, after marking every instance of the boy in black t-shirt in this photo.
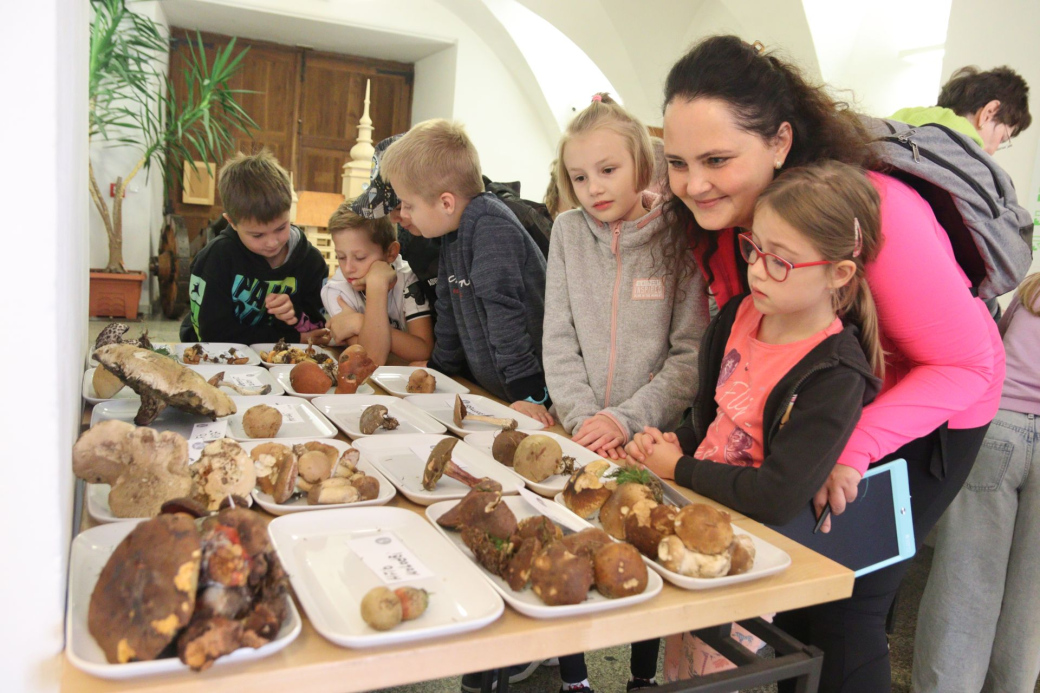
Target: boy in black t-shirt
(260, 280)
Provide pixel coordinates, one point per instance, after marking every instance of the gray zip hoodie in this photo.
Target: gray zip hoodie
(620, 338)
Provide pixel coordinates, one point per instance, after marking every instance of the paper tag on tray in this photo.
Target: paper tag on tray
(473, 409)
(423, 453)
(554, 512)
(246, 380)
(290, 413)
(387, 556)
(202, 434)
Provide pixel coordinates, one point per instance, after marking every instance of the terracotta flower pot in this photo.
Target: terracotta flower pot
(115, 295)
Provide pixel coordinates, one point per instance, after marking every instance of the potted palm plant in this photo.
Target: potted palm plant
(132, 104)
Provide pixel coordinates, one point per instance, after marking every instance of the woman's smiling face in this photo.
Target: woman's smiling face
(717, 168)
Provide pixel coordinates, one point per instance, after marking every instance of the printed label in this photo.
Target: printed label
(423, 453)
(471, 408)
(246, 380)
(651, 289)
(290, 413)
(202, 434)
(387, 556)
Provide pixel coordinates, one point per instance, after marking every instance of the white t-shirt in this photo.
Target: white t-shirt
(405, 303)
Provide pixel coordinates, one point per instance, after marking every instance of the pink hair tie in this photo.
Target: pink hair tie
(597, 97)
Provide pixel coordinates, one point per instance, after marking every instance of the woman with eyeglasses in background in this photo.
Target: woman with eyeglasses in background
(735, 117)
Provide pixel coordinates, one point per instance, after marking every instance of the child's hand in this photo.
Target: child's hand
(535, 411)
(379, 274)
(663, 453)
(346, 323)
(841, 488)
(320, 336)
(281, 307)
(599, 433)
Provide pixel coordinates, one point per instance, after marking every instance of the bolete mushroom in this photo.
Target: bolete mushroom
(742, 554)
(585, 493)
(309, 378)
(459, 414)
(439, 463)
(538, 457)
(161, 381)
(674, 556)
(619, 571)
(503, 448)
(355, 366)
(261, 421)
(483, 510)
(421, 381)
(375, 417)
(704, 529)
(625, 496)
(560, 577)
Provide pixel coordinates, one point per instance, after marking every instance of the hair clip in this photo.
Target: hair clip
(597, 97)
(858, 247)
(758, 46)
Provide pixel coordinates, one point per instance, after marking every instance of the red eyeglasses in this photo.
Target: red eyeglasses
(776, 267)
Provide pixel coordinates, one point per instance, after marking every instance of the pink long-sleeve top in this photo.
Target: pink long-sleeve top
(944, 358)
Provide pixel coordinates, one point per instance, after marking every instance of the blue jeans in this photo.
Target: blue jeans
(978, 627)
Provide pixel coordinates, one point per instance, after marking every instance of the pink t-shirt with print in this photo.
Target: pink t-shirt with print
(750, 370)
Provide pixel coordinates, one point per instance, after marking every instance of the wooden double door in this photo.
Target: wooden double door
(306, 105)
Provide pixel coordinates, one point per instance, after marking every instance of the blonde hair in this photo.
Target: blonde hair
(823, 201)
(254, 187)
(432, 158)
(605, 112)
(1029, 293)
(380, 231)
(552, 194)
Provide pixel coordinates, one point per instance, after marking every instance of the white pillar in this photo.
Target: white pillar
(358, 171)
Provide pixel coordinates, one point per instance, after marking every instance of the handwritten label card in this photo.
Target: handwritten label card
(554, 512)
(471, 408)
(246, 380)
(290, 413)
(387, 556)
(202, 434)
(423, 453)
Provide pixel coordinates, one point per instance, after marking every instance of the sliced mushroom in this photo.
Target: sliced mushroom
(347, 464)
(335, 490)
(285, 481)
(439, 463)
(459, 415)
(218, 381)
(375, 417)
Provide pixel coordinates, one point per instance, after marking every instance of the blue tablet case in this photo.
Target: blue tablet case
(876, 530)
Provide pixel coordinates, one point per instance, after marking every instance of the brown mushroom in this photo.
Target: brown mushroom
(261, 421)
(375, 417)
(223, 469)
(742, 554)
(355, 366)
(612, 514)
(586, 542)
(504, 447)
(105, 383)
(585, 493)
(315, 466)
(538, 457)
(518, 570)
(285, 480)
(704, 529)
(145, 468)
(267, 460)
(619, 570)
(482, 510)
(161, 381)
(559, 577)
(540, 526)
(334, 490)
(146, 591)
(459, 415)
(309, 378)
(674, 556)
(421, 381)
(493, 554)
(347, 464)
(439, 463)
(367, 486)
(639, 529)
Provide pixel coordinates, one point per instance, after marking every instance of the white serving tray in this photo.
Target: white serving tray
(527, 602)
(313, 425)
(243, 376)
(393, 456)
(442, 407)
(90, 551)
(769, 560)
(267, 346)
(169, 419)
(394, 379)
(280, 373)
(216, 349)
(484, 440)
(299, 503)
(330, 579)
(345, 411)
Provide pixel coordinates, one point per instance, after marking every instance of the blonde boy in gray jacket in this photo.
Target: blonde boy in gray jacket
(623, 312)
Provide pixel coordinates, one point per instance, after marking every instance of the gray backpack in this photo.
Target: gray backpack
(973, 199)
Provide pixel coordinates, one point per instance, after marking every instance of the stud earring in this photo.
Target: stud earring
(778, 164)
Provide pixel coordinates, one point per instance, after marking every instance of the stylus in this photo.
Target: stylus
(824, 514)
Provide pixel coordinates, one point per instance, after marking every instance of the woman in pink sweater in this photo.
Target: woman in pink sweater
(733, 118)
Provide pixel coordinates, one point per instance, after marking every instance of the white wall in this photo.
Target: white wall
(49, 277)
(1003, 32)
(143, 205)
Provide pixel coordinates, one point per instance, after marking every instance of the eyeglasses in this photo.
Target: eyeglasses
(776, 267)
(1005, 142)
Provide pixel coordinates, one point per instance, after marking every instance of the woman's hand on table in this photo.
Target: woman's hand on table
(535, 411)
(600, 434)
(657, 451)
(840, 489)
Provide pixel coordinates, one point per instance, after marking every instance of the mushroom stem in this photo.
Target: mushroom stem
(459, 474)
(218, 381)
(507, 424)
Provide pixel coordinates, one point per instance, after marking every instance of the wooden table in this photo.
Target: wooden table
(311, 663)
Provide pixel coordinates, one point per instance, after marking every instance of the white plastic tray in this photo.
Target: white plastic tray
(442, 408)
(395, 458)
(330, 579)
(394, 379)
(484, 440)
(345, 411)
(769, 560)
(169, 419)
(216, 349)
(299, 503)
(281, 376)
(313, 425)
(267, 346)
(90, 551)
(527, 602)
(243, 376)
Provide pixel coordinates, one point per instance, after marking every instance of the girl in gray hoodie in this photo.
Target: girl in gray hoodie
(623, 312)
